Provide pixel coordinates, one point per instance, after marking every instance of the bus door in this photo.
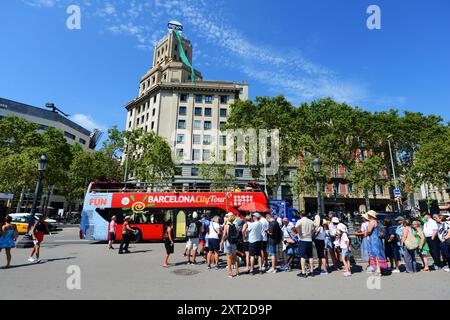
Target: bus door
(180, 224)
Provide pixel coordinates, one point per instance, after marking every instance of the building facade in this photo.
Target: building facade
(188, 114)
(73, 132)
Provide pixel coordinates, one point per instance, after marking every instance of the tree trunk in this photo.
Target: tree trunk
(301, 196)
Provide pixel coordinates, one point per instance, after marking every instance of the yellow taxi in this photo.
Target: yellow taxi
(21, 222)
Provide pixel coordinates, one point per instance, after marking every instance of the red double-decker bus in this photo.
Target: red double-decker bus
(151, 206)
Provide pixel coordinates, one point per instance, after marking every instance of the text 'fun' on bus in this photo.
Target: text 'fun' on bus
(150, 206)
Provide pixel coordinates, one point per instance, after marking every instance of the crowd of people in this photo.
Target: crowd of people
(9, 234)
(262, 243)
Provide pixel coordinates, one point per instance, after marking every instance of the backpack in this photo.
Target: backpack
(192, 231)
(277, 234)
(411, 241)
(382, 231)
(202, 228)
(233, 234)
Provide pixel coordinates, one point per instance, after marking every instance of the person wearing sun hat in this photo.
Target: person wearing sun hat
(344, 244)
(377, 258)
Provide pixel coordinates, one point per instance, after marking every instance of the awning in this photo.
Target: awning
(254, 207)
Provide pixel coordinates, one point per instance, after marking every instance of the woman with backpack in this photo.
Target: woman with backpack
(229, 242)
(409, 242)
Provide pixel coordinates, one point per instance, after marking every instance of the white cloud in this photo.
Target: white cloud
(42, 3)
(87, 122)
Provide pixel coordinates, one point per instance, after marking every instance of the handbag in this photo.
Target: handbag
(411, 241)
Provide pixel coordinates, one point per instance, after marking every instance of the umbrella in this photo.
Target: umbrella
(254, 207)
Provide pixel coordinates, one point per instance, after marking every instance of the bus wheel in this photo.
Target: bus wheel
(136, 238)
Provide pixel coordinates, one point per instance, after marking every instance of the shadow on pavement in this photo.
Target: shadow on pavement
(41, 262)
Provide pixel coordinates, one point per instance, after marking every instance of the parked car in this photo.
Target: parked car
(21, 221)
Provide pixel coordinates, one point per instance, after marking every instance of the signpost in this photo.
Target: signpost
(397, 193)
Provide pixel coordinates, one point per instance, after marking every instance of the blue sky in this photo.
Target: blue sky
(302, 49)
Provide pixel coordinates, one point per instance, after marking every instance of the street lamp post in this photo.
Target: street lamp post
(316, 164)
(393, 169)
(26, 241)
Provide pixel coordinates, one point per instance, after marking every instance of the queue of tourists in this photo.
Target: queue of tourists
(262, 243)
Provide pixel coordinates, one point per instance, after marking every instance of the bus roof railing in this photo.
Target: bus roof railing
(118, 187)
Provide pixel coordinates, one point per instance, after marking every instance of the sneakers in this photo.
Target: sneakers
(395, 271)
(271, 270)
(347, 274)
(323, 273)
(446, 269)
(302, 275)
(209, 267)
(31, 259)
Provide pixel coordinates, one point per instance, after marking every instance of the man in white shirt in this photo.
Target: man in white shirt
(430, 230)
(306, 230)
(265, 227)
(286, 228)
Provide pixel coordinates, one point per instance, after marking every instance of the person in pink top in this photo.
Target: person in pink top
(112, 232)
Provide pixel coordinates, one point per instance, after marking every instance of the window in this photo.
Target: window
(142, 119)
(180, 153)
(208, 112)
(198, 111)
(153, 112)
(82, 141)
(224, 99)
(196, 139)
(183, 97)
(223, 112)
(154, 99)
(207, 125)
(223, 140)
(181, 124)
(239, 173)
(182, 111)
(205, 155)
(153, 124)
(198, 98)
(129, 124)
(180, 138)
(69, 135)
(194, 172)
(207, 139)
(222, 125)
(197, 125)
(223, 155)
(146, 117)
(195, 154)
(208, 99)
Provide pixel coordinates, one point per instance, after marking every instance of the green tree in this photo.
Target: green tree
(149, 157)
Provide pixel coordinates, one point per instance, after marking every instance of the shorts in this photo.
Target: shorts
(345, 252)
(320, 247)
(192, 243)
(246, 246)
(263, 245)
(329, 242)
(112, 236)
(168, 245)
(305, 249)
(255, 248)
(272, 249)
(39, 237)
(229, 248)
(213, 245)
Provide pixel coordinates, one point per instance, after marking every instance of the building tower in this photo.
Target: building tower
(187, 114)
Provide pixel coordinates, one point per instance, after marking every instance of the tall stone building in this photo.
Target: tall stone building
(189, 114)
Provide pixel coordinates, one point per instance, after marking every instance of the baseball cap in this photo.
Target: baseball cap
(399, 218)
(256, 214)
(342, 227)
(335, 220)
(194, 215)
(229, 214)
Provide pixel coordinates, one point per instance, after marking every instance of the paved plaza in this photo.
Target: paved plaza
(139, 275)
